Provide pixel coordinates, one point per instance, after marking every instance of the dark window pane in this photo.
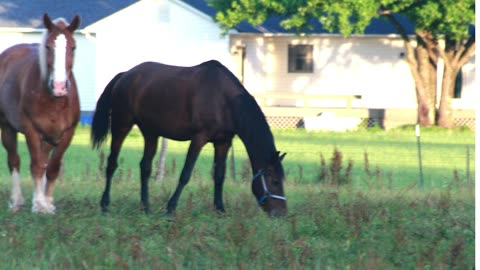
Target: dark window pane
(300, 58)
(457, 92)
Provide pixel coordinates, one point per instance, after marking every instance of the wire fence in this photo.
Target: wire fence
(379, 169)
(384, 159)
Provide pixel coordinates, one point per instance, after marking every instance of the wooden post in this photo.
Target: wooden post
(161, 161)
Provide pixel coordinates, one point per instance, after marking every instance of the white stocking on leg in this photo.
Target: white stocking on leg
(17, 200)
(40, 203)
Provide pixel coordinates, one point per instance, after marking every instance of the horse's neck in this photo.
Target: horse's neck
(257, 153)
(254, 131)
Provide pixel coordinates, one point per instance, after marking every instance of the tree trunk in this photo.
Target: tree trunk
(445, 110)
(423, 65)
(454, 56)
(426, 89)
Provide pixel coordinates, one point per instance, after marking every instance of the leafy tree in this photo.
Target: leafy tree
(436, 22)
(441, 30)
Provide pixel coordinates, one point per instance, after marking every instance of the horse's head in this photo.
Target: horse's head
(267, 186)
(57, 52)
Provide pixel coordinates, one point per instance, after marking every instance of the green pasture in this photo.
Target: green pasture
(447, 157)
(382, 220)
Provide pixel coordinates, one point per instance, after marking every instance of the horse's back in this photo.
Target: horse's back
(176, 101)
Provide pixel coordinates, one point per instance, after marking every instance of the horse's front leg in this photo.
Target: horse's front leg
(53, 166)
(38, 164)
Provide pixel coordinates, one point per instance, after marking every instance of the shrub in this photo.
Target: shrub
(333, 175)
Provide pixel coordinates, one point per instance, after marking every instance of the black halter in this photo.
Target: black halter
(266, 193)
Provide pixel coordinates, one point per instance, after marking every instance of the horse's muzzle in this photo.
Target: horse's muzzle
(59, 88)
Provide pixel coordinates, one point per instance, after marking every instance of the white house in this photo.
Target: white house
(167, 31)
(321, 71)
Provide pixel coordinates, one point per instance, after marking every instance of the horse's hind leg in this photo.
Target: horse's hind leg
(118, 136)
(221, 151)
(9, 141)
(195, 146)
(149, 151)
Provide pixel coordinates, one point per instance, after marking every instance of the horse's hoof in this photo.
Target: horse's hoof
(146, 210)
(43, 211)
(15, 207)
(38, 207)
(220, 209)
(169, 216)
(104, 211)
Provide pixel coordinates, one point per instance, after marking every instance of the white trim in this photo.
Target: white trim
(20, 30)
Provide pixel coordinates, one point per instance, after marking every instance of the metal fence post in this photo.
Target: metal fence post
(468, 164)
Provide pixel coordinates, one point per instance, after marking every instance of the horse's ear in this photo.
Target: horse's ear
(74, 24)
(47, 22)
(279, 157)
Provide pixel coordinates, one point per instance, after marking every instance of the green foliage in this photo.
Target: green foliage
(346, 16)
(449, 17)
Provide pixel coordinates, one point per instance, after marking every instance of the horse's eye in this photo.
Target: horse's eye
(48, 48)
(74, 48)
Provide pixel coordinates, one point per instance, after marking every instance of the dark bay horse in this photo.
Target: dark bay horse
(38, 97)
(203, 103)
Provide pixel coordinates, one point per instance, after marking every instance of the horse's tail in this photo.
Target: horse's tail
(101, 118)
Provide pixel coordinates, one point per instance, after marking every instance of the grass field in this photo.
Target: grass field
(382, 220)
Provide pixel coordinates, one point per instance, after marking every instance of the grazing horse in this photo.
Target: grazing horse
(38, 97)
(203, 103)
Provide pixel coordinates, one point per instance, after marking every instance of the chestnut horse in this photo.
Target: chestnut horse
(38, 97)
(204, 103)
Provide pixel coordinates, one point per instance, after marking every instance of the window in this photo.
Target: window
(300, 58)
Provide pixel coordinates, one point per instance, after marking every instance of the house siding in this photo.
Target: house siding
(165, 31)
(372, 67)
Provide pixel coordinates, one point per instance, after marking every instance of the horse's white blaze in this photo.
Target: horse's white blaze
(17, 197)
(60, 72)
